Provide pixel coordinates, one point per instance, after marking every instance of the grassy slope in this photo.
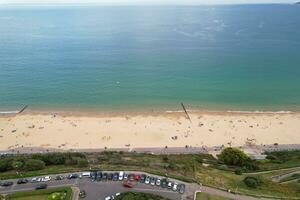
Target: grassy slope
(184, 167)
(280, 160)
(39, 194)
(226, 180)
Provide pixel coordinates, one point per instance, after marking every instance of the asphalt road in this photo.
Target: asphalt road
(100, 190)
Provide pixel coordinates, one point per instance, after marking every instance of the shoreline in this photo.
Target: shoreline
(95, 113)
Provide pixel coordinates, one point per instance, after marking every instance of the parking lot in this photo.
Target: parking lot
(102, 188)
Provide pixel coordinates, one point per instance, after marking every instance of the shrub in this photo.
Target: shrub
(238, 172)
(172, 166)
(138, 196)
(32, 164)
(165, 158)
(5, 164)
(51, 158)
(17, 165)
(81, 162)
(233, 156)
(198, 159)
(271, 157)
(252, 182)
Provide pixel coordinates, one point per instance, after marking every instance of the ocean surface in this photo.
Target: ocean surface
(239, 57)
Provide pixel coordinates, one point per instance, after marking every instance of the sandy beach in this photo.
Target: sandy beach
(140, 130)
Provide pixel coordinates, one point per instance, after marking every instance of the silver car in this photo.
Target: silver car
(158, 182)
(147, 181)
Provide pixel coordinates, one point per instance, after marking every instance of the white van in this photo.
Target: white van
(121, 175)
(86, 174)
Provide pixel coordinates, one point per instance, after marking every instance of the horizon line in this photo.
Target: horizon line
(146, 4)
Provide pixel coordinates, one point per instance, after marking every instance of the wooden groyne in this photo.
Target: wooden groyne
(186, 113)
(22, 110)
(14, 112)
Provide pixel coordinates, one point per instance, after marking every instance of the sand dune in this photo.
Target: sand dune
(136, 130)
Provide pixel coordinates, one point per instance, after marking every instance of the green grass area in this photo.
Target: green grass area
(280, 160)
(139, 196)
(49, 194)
(204, 196)
(228, 180)
(57, 169)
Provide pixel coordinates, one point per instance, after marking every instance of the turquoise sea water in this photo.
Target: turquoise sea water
(133, 57)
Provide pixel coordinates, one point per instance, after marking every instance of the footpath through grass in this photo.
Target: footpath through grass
(204, 196)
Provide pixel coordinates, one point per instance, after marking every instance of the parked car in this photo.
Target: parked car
(7, 183)
(137, 178)
(181, 188)
(131, 177)
(174, 188)
(86, 174)
(104, 177)
(22, 181)
(143, 178)
(110, 176)
(121, 175)
(99, 176)
(59, 177)
(152, 180)
(41, 186)
(46, 179)
(158, 182)
(147, 180)
(118, 194)
(93, 176)
(108, 198)
(125, 177)
(72, 176)
(127, 184)
(36, 179)
(82, 194)
(164, 183)
(170, 185)
(116, 176)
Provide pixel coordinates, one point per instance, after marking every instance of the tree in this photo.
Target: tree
(32, 165)
(17, 165)
(233, 156)
(5, 164)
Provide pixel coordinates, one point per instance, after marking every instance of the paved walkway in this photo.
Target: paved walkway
(75, 193)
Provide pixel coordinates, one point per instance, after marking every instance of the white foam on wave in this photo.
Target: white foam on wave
(9, 112)
(174, 111)
(237, 111)
(261, 112)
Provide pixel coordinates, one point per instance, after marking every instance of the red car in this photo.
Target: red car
(127, 184)
(137, 178)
